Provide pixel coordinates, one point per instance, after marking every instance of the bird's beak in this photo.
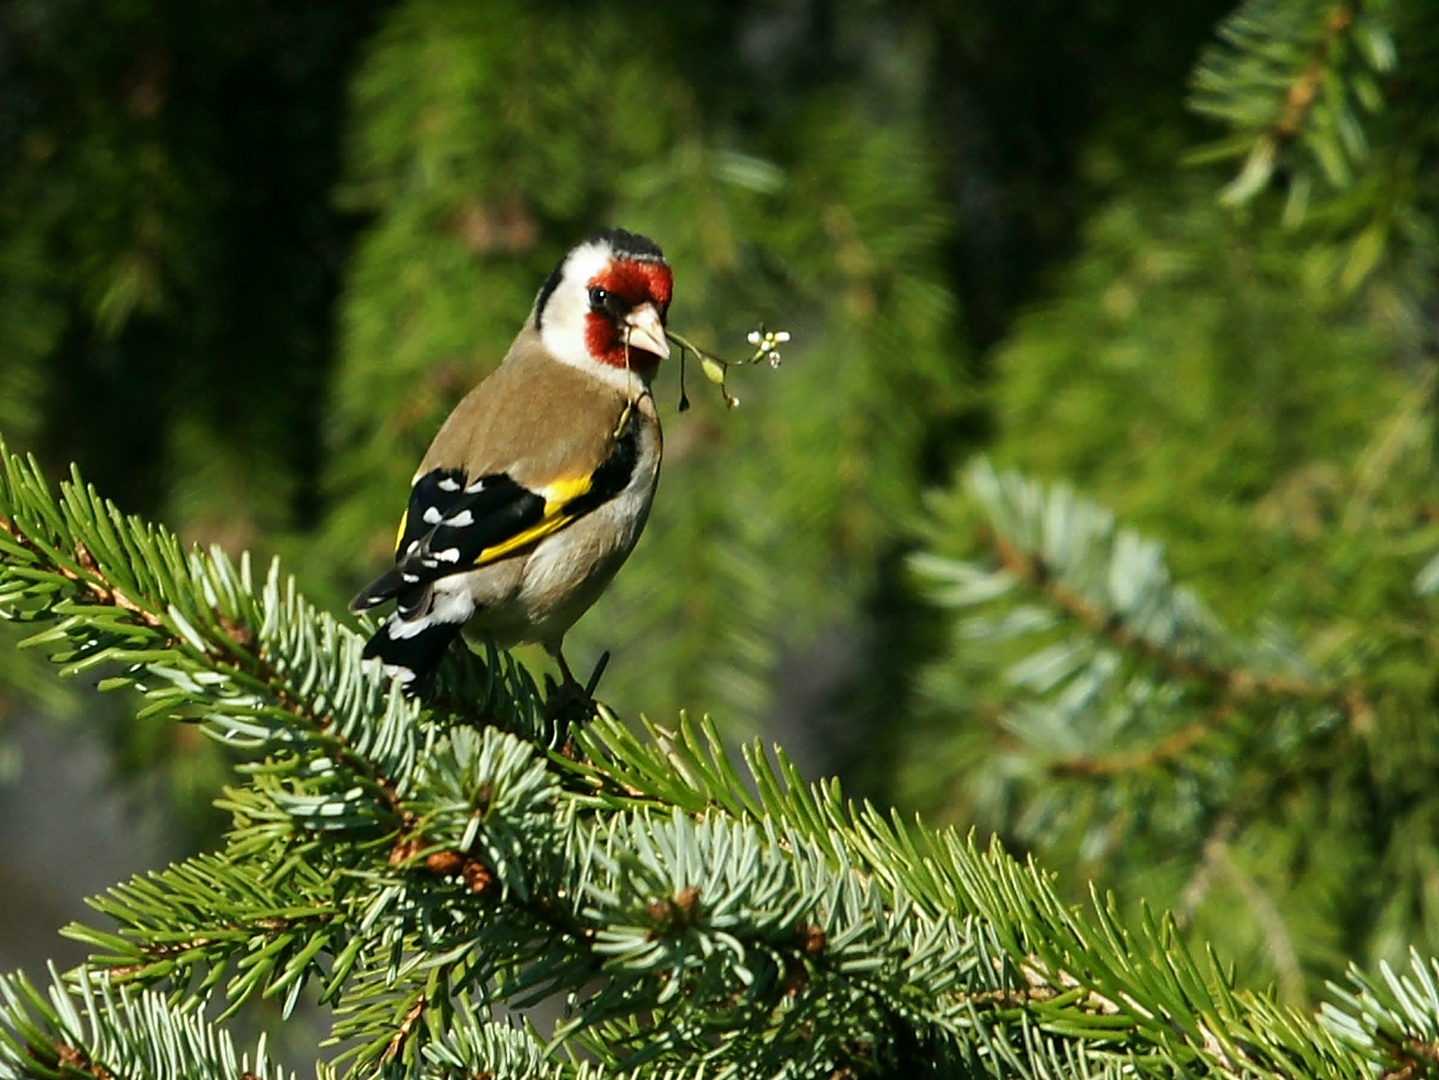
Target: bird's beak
(644, 330)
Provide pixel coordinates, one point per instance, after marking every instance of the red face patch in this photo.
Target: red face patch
(633, 282)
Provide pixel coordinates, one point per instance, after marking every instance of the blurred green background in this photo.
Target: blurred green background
(1178, 256)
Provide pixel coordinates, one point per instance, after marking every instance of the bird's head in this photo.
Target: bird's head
(604, 307)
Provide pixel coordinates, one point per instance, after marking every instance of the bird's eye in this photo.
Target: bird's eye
(599, 298)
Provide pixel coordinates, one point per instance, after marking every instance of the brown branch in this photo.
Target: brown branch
(1203, 877)
(1008, 999)
(100, 587)
(1419, 1059)
(1423, 1051)
(397, 1041)
(155, 952)
(78, 1061)
(93, 579)
(1092, 766)
(1304, 91)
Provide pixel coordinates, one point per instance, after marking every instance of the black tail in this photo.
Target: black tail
(388, 584)
(411, 659)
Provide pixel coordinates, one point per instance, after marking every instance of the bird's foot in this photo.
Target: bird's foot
(569, 700)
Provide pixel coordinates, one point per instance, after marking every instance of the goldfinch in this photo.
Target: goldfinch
(538, 485)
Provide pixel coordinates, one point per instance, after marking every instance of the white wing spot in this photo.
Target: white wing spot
(476, 487)
(432, 515)
(448, 555)
(461, 520)
(399, 629)
(400, 673)
(448, 485)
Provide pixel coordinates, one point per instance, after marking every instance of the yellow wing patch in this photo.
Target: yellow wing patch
(400, 532)
(562, 491)
(557, 496)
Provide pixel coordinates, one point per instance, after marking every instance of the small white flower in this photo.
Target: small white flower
(754, 337)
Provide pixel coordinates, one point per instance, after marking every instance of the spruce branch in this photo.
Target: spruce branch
(210, 914)
(1320, 102)
(278, 676)
(1290, 73)
(1234, 682)
(1111, 664)
(1394, 1018)
(1141, 758)
(84, 1027)
(696, 912)
(479, 1046)
(125, 593)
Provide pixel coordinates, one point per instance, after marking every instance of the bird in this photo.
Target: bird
(537, 486)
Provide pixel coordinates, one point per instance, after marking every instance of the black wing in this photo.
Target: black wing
(454, 524)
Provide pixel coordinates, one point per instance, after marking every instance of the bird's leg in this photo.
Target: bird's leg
(559, 655)
(572, 695)
(600, 665)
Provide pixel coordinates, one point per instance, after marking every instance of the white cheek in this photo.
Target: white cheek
(563, 322)
(563, 329)
(563, 336)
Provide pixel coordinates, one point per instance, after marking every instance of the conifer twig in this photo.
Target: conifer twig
(698, 919)
(1299, 98)
(1133, 759)
(1236, 683)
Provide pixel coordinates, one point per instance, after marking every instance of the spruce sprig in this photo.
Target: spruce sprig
(693, 911)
